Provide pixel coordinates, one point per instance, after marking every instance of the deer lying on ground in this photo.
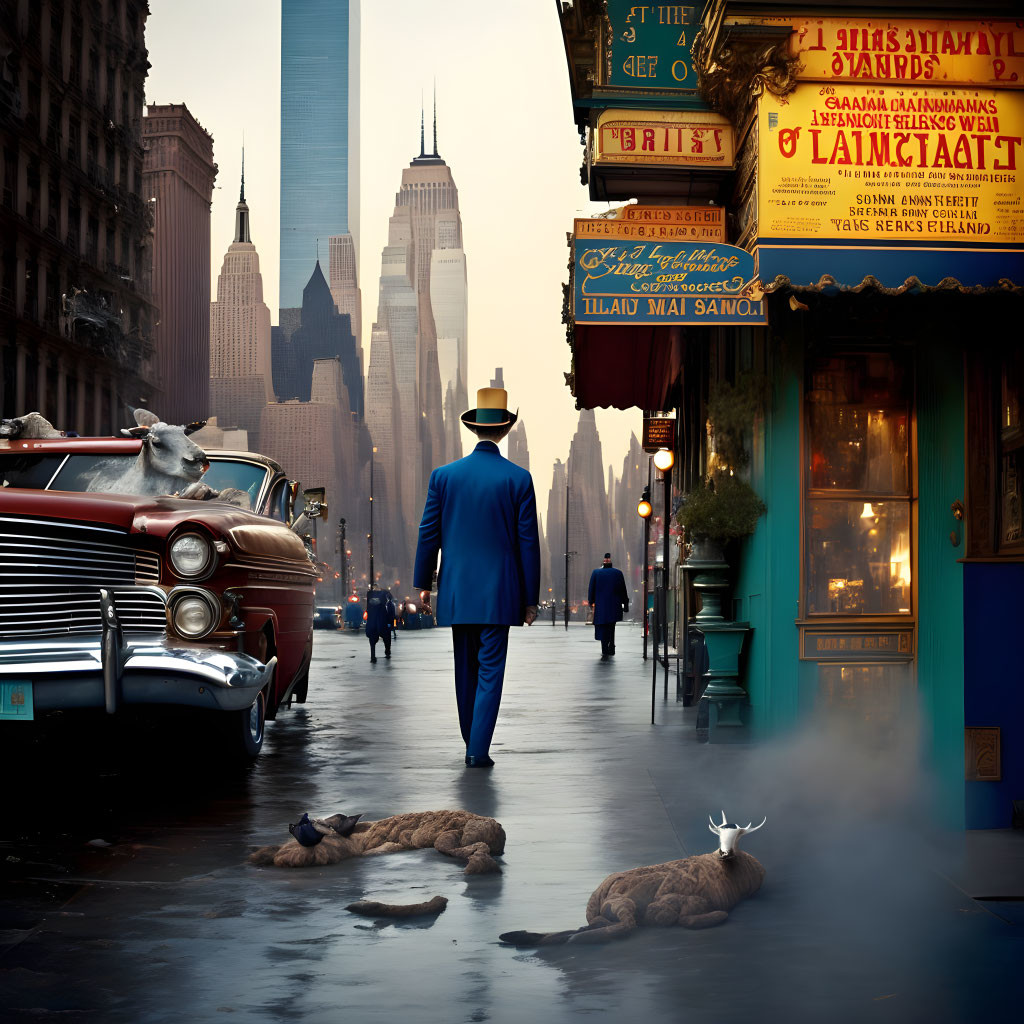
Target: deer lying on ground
(461, 834)
(695, 892)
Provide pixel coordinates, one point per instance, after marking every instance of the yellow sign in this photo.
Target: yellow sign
(665, 223)
(934, 166)
(986, 53)
(673, 138)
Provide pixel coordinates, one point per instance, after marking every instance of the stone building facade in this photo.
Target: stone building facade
(178, 178)
(75, 308)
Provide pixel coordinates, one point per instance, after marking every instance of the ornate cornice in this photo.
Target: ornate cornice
(741, 69)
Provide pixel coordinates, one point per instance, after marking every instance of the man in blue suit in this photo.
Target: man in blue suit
(609, 598)
(481, 514)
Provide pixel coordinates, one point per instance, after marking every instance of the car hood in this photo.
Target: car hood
(155, 516)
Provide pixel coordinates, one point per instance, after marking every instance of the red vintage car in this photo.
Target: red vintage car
(115, 599)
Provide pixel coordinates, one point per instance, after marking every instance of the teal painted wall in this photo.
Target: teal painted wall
(940, 587)
(768, 581)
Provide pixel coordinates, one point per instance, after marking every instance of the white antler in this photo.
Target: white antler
(713, 827)
(724, 822)
(748, 829)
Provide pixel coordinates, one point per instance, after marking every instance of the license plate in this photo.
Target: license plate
(16, 701)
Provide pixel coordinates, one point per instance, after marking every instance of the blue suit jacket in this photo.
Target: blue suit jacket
(481, 514)
(608, 594)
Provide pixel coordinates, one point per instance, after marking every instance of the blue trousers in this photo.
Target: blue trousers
(480, 653)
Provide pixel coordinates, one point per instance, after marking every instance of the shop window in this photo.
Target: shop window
(857, 526)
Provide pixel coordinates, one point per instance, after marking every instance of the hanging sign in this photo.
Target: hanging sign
(669, 138)
(625, 279)
(649, 46)
(659, 432)
(665, 223)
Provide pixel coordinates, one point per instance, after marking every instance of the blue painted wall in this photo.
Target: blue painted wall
(994, 682)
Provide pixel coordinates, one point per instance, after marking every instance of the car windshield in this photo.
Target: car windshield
(73, 472)
(58, 472)
(246, 476)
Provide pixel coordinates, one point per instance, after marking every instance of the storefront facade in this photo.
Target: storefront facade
(876, 181)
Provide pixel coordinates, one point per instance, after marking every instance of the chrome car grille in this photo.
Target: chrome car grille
(51, 574)
(58, 612)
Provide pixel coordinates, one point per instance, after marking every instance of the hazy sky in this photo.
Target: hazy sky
(504, 127)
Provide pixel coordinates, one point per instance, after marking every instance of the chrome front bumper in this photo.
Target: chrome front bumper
(149, 670)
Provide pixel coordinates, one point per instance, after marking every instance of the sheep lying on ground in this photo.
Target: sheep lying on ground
(460, 834)
(695, 892)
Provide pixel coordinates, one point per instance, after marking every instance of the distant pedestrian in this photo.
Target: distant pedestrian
(481, 514)
(609, 599)
(380, 614)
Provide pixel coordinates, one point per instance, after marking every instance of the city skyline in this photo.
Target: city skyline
(514, 218)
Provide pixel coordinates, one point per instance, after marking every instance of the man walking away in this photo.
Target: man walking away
(481, 514)
(380, 614)
(609, 599)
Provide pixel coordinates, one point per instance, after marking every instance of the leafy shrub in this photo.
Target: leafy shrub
(722, 509)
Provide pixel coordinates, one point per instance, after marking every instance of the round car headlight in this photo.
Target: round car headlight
(193, 616)
(190, 554)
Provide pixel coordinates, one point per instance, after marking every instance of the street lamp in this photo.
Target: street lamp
(369, 536)
(644, 510)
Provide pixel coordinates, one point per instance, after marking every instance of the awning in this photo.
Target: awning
(626, 366)
(803, 263)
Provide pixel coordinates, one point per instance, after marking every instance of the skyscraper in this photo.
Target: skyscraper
(419, 381)
(178, 174)
(319, 133)
(240, 367)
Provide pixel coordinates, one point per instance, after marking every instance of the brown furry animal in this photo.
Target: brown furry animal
(460, 834)
(695, 892)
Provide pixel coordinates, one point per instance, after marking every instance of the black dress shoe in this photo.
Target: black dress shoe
(373, 659)
(479, 762)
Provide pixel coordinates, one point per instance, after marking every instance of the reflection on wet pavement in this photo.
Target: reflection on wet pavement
(161, 920)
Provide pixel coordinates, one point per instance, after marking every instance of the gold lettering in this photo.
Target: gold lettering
(632, 14)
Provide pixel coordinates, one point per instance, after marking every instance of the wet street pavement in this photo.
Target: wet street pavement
(126, 894)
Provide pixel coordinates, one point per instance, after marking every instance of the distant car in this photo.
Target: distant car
(124, 599)
(328, 616)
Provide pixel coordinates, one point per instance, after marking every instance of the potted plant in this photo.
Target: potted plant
(723, 508)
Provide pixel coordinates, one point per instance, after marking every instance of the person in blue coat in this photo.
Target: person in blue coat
(380, 614)
(609, 599)
(481, 515)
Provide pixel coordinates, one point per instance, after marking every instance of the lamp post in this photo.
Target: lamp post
(643, 510)
(664, 459)
(567, 548)
(342, 559)
(369, 536)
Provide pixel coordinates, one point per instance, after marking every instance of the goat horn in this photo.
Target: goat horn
(723, 818)
(748, 829)
(712, 826)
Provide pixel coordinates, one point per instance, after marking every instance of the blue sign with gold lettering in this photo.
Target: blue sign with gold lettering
(628, 280)
(650, 45)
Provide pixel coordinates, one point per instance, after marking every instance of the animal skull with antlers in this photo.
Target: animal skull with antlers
(729, 835)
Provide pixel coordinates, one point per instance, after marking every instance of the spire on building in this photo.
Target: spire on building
(435, 120)
(242, 210)
(423, 143)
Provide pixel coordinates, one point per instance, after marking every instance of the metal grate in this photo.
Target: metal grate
(58, 612)
(43, 553)
(51, 574)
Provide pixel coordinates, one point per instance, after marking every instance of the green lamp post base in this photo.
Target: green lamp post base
(725, 697)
